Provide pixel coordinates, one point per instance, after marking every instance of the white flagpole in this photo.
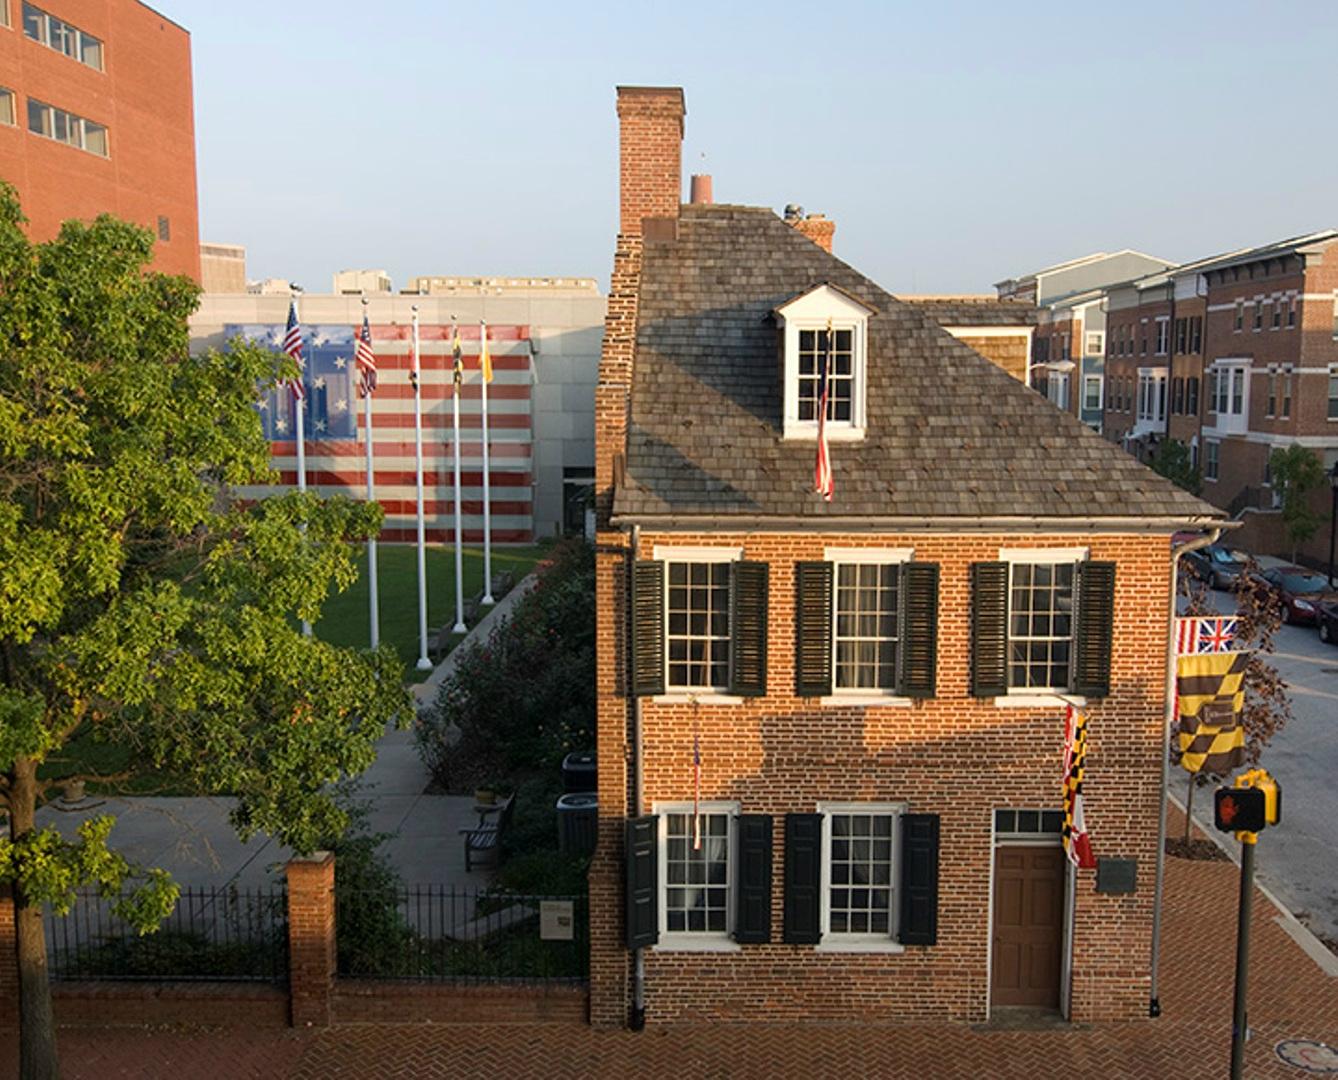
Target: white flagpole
(300, 408)
(424, 663)
(459, 627)
(487, 507)
(373, 602)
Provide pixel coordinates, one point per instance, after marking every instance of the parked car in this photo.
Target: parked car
(1217, 565)
(1300, 591)
(1327, 615)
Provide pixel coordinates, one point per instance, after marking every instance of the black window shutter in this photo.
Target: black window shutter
(648, 628)
(748, 629)
(919, 880)
(989, 629)
(919, 629)
(643, 881)
(803, 878)
(813, 628)
(1095, 630)
(752, 920)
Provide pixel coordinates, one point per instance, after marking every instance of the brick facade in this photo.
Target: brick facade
(311, 939)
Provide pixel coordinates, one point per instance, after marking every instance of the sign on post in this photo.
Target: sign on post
(557, 920)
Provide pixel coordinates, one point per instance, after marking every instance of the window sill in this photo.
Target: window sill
(686, 697)
(1038, 701)
(860, 701)
(809, 433)
(885, 947)
(688, 943)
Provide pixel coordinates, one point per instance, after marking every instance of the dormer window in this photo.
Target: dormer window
(806, 322)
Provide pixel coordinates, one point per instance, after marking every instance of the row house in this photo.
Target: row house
(830, 731)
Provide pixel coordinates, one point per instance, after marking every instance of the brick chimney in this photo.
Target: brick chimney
(817, 227)
(650, 154)
(700, 189)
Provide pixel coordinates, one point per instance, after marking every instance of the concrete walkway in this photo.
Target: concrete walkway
(193, 840)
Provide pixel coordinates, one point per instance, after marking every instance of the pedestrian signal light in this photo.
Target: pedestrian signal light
(1240, 810)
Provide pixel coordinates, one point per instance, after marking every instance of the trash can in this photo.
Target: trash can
(578, 822)
(578, 771)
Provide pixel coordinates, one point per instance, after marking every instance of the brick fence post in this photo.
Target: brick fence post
(9, 962)
(311, 939)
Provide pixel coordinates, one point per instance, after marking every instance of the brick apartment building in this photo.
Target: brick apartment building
(1069, 349)
(97, 115)
(830, 733)
(1233, 356)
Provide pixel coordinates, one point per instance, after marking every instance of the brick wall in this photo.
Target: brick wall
(311, 938)
(650, 160)
(821, 230)
(953, 756)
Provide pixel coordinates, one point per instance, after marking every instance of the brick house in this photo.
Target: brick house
(830, 733)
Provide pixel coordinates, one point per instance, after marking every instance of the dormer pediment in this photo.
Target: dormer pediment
(823, 302)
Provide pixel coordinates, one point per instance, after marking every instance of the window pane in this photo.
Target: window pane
(95, 138)
(90, 51)
(697, 625)
(34, 23)
(6, 107)
(1040, 625)
(860, 872)
(697, 865)
(865, 642)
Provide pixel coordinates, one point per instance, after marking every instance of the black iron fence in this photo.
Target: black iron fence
(467, 936)
(227, 933)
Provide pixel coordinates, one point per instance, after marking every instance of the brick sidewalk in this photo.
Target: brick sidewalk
(1290, 997)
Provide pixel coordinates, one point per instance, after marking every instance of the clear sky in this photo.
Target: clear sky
(954, 144)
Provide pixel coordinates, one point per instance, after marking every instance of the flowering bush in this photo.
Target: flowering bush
(526, 696)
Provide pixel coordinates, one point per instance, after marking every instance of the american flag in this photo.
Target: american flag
(292, 346)
(1205, 635)
(365, 358)
(413, 366)
(822, 470)
(696, 794)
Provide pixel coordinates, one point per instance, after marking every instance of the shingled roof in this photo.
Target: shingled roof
(961, 311)
(950, 436)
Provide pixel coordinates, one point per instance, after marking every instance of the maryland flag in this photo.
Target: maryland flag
(485, 358)
(1077, 844)
(1210, 688)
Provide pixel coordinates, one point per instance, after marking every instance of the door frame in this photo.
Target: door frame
(1066, 939)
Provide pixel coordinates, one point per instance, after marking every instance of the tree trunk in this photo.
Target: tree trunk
(1189, 809)
(37, 1029)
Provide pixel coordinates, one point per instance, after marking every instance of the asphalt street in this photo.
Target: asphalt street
(1298, 859)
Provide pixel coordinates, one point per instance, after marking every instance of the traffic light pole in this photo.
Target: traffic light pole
(1238, 1026)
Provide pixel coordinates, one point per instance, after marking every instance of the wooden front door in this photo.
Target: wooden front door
(1028, 925)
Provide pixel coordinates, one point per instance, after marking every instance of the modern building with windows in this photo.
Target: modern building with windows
(545, 352)
(830, 732)
(97, 116)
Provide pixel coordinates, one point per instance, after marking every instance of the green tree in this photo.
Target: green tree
(1172, 460)
(1297, 471)
(140, 601)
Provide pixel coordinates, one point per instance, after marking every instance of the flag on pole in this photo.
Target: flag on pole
(413, 356)
(365, 359)
(822, 470)
(485, 359)
(696, 794)
(1210, 696)
(1077, 844)
(458, 361)
(292, 346)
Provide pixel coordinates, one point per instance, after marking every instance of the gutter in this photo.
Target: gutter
(1029, 523)
(637, 1020)
(1214, 533)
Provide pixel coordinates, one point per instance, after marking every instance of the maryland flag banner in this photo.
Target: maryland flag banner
(1077, 844)
(1210, 692)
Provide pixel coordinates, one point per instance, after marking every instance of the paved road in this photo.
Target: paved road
(1299, 859)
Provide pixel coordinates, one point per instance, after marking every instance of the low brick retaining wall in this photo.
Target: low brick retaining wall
(378, 1001)
(111, 1004)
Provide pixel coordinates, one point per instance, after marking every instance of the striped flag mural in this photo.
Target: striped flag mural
(336, 434)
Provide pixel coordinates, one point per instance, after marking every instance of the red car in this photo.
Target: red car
(1300, 591)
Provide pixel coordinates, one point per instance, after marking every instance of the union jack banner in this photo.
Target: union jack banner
(1205, 635)
(822, 470)
(364, 358)
(292, 346)
(1077, 844)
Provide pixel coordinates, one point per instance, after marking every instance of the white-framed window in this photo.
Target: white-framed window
(1240, 316)
(1096, 343)
(697, 874)
(4, 13)
(1163, 334)
(696, 633)
(866, 597)
(1091, 392)
(7, 113)
(806, 321)
(59, 35)
(1333, 393)
(860, 859)
(1291, 312)
(1271, 405)
(1277, 313)
(1258, 313)
(53, 123)
(1041, 594)
(1211, 455)
(1057, 389)
(1152, 396)
(1229, 390)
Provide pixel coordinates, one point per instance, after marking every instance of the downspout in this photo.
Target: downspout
(637, 1021)
(1154, 1003)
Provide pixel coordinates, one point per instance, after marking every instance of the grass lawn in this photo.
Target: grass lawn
(346, 621)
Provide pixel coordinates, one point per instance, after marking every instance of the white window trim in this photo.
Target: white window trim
(1216, 444)
(692, 695)
(1025, 697)
(863, 557)
(815, 310)
(668, 553)
(859, 943)
(1087, 380)
(692, 941)
(1044, 555)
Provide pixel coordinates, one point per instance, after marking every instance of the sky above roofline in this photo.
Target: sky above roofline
(954, 145)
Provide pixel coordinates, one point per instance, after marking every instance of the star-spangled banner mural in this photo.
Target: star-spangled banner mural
(328, 376)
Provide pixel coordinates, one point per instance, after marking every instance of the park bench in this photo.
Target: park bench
(438, 645)
(483, 840)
